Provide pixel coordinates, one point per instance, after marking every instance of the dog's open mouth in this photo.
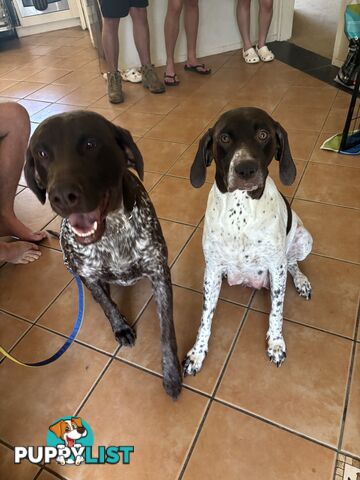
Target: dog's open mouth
(70, 442)
(89, 227)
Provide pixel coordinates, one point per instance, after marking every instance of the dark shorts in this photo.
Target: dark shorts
(120, 8)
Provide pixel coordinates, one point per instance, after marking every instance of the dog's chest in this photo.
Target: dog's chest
(244, 237)
(118, 257)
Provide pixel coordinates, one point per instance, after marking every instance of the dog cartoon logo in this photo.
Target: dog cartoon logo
(69, 434)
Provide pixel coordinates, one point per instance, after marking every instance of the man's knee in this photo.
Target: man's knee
(175, 6)
(16, 116)
(191, 3)
(244, 4)
(138, 14)
(266, 5)
(111, 24)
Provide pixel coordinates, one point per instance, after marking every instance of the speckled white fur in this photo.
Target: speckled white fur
(245, 241)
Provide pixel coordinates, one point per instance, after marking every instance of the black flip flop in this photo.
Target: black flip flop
(174, 82)
(197, 69)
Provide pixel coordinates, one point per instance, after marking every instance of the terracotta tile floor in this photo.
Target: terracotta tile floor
(240, 418)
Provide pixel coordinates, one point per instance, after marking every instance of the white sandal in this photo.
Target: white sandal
(131, 75)
(265, 54)
(250, 56)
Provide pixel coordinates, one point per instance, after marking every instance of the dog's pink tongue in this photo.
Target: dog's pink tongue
(70, 442)
(84, 222)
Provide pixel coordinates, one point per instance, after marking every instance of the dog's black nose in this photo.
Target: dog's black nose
(64, 195)
(246, 169)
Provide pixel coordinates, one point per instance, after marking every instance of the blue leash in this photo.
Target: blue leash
(69, 341)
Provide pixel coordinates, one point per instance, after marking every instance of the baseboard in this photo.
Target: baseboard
(47, 27)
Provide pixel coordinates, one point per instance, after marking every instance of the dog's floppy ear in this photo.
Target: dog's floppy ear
(77, 421)
(133, 155)
(202, 160)
(287, 166)
(58, 428)
(32, 177)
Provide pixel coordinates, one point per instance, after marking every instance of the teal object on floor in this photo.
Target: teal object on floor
(352, 21)
(333, 143)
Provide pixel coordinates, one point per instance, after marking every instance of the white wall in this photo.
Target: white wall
(341, 41)
(218, 31)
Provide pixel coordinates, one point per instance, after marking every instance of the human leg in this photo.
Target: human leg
(14, 137)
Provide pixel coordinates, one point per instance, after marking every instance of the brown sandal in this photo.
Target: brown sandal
(174, 81)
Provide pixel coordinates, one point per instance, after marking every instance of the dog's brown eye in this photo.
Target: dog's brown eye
(262, 135)
(43, 154)
(90, 144)
(224, 138)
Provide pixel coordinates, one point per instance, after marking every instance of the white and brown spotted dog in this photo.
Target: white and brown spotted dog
(251, 235)
(69, 431)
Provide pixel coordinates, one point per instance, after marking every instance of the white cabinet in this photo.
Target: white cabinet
(51, 19)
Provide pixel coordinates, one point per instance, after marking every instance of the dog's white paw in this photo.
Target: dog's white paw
(79, 460)
(193, 361)
(276, 350)
(302, 285)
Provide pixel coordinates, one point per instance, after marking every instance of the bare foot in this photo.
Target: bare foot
(11, 226)
(19, 252)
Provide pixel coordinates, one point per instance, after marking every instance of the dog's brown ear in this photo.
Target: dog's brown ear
(77, 421)
(58, 428)
(287, 166)
(202, 160)
(32, 177)
(133, 155)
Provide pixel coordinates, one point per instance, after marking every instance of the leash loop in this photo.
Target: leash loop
(69, 341)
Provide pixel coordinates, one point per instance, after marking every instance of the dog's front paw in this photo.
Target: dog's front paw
(193, 361)
(303, 286)
(276, 350)
(126, 336)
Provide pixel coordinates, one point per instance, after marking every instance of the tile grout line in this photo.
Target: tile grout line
(176, 260)
(232, 348)
(219, 379)
(53, 472)
(275, 425)
(349, 382)
(94, 385)
(254, 309)
(33, 323)
(312, 327)
(342, 260)
(194, 441)
(38, 473)
(160, 376)
(319, 202)
(312, 151)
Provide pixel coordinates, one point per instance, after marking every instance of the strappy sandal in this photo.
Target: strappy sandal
(250, 55)
(174, 80)
(199, 68)
(265, 54)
